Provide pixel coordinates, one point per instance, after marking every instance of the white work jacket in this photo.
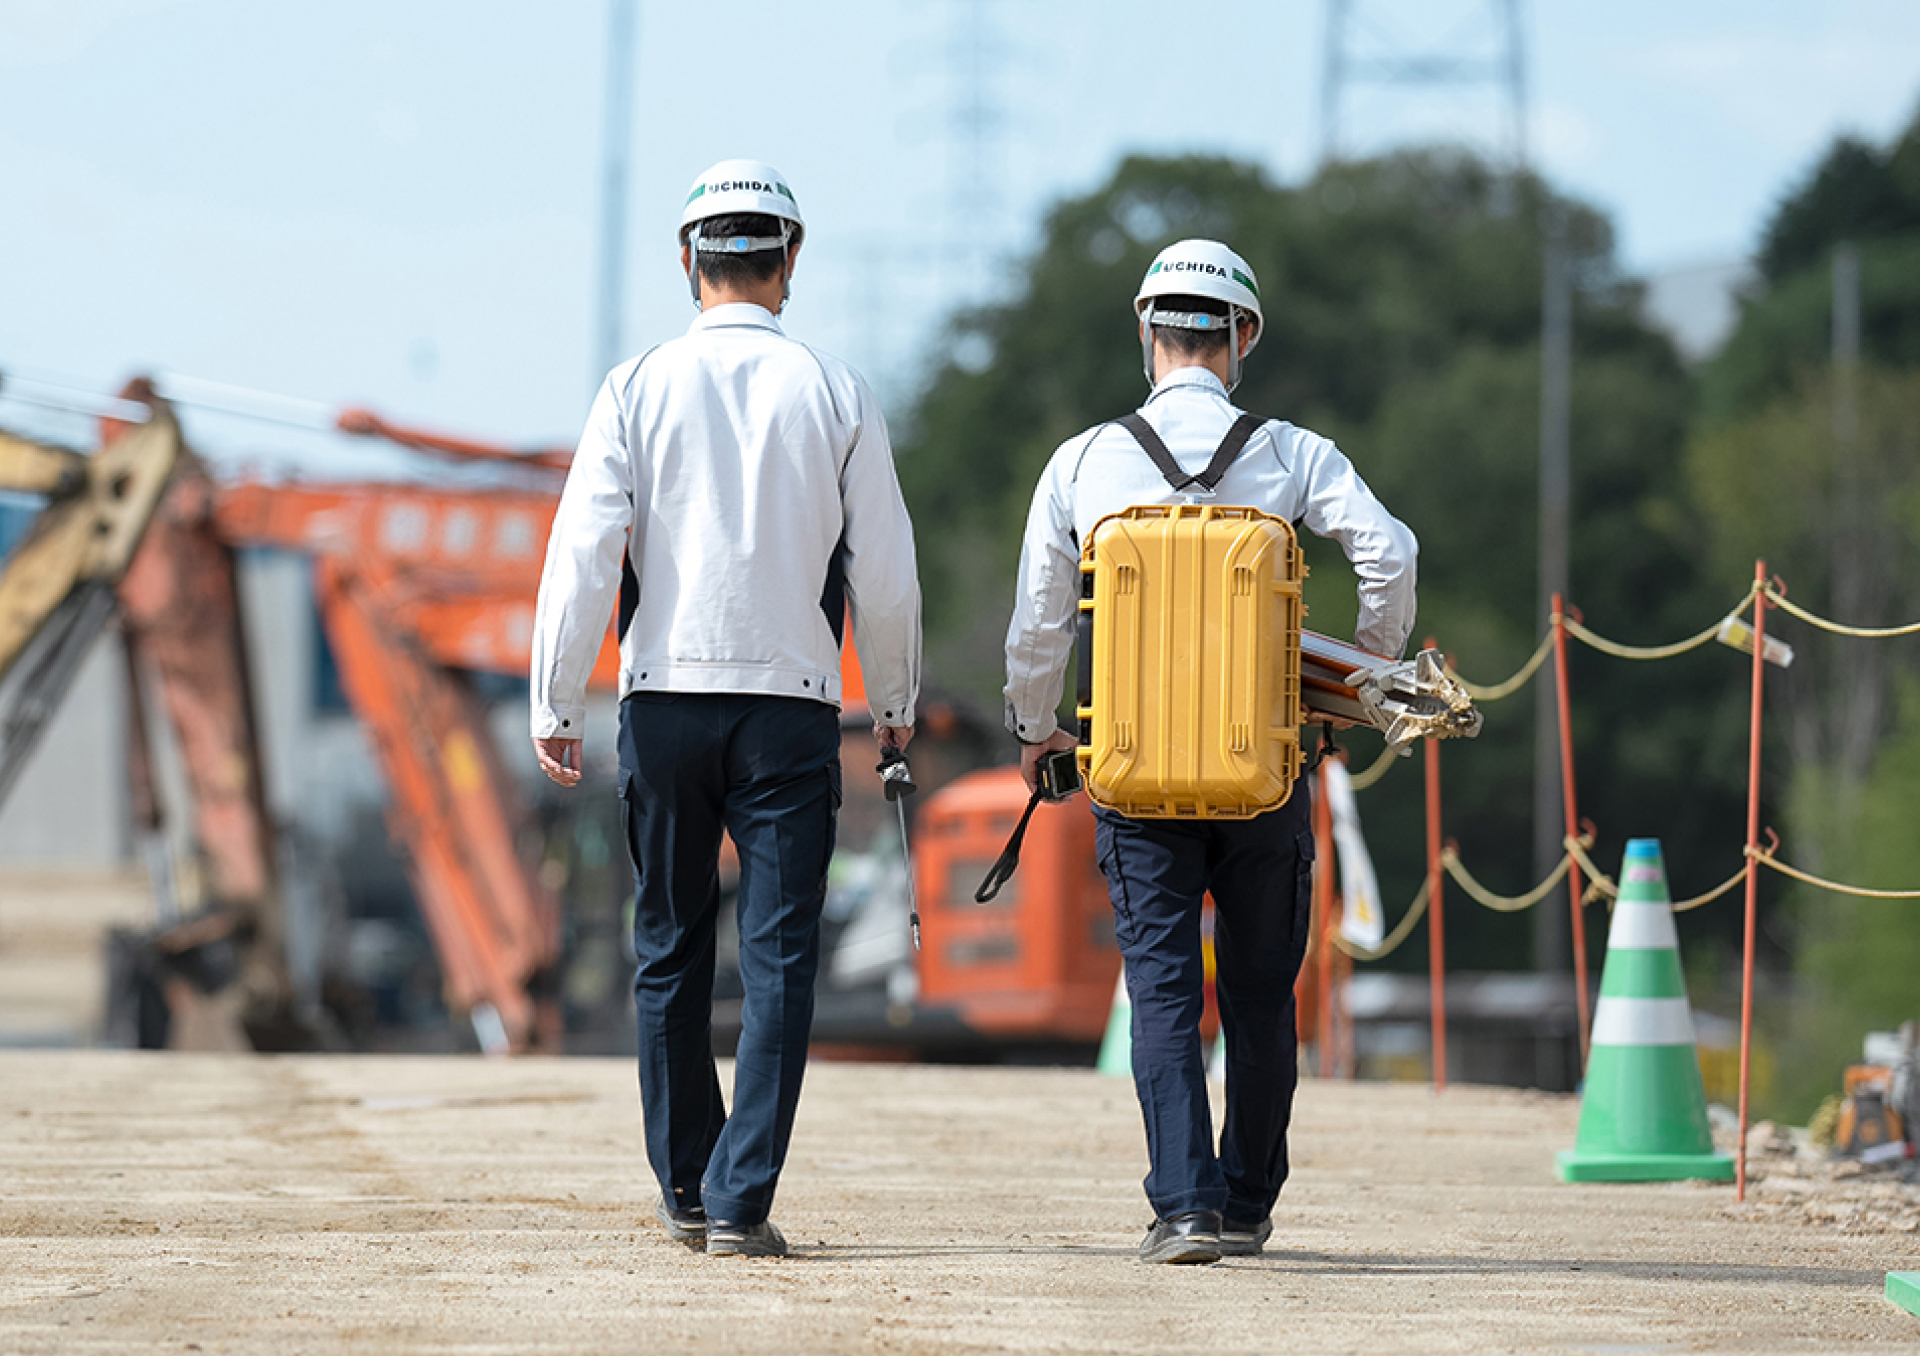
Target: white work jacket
(749, 481)
(1283, 470)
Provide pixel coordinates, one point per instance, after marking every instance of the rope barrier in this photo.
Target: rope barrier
(1779, 600)
(1767, 857)
(1512, 685)
(1679, 647)
(1683, 905)
(1450, 858)
(1391, 942)
(1599, 884)
(1375, 771)
(1603, 886)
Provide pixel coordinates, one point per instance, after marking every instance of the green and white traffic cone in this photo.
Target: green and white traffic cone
(1643, 1117)
(1116, 1048)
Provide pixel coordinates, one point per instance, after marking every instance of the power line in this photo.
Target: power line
(1371, 49)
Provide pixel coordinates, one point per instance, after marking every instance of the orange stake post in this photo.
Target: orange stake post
(1436, 928)
(1753, 866)
(1323, 913)
(1573, 826)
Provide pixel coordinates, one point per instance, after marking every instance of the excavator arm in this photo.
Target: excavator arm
(413, 584)
(181, 608)
(454, 808)
(57, 589)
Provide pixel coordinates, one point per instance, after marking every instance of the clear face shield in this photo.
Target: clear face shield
(738, 244)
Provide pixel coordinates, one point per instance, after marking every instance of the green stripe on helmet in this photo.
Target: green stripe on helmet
(786, 192)
(698, 189)
(1157, 266)
(1246, 282)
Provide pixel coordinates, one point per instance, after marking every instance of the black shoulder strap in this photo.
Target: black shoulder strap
(1230, 448)
(1223, 456)
(1150, 442)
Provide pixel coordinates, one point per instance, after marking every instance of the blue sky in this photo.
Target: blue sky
(396, 202)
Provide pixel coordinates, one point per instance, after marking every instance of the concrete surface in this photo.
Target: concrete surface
(199, 1203)
(53, 926)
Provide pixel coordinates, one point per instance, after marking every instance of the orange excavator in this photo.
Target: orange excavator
(412, 585)
(417, 586)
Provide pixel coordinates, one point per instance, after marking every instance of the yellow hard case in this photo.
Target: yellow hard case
(1189, 656)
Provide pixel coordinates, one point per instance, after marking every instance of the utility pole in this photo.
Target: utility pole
(616, 141)
(1372, 47)
(1552, 934)
(976, 150)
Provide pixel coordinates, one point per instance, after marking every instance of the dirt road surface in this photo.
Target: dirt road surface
(171, 1203)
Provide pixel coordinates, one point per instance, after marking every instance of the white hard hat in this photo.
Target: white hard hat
(1199, 268)
(741, 186)
(735, 186)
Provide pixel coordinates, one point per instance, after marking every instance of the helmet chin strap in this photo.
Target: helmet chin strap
(1190, 320)
(740, 244)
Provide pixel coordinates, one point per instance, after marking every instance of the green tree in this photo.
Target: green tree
(1818, 471)
(1402, 299)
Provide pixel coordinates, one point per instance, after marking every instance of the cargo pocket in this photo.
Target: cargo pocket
(627, 825)
(1302, 896)
(832, 826)
(1108, 856)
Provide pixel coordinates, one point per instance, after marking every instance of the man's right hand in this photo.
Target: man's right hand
(892, 736)
(1031, 754)
(559, 759)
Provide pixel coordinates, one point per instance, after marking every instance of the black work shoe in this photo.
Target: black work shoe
(1240, 1239)
(744, 1240)
(683, 1226)
(1191, 1237)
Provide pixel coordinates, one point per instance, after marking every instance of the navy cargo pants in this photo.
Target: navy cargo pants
(766, 771)
(1260, 873)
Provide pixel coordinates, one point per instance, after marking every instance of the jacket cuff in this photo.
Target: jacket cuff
(1035, 730)
(560, 722)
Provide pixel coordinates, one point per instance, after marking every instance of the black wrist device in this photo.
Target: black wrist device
(1058, 774)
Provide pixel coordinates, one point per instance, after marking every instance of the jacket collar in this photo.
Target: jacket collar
(1189, 378)
(735, 314)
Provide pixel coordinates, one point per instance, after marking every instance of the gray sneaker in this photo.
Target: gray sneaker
(744, 1240)
(683, 1226)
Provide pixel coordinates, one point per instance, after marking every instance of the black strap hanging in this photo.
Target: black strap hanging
(1003, 868)
(1328, 748)
(1223, 456)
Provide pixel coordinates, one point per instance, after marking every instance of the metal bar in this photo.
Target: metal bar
(1572, 807)
(105, 407)
(1436, 929)
(1323, 910)
(1550, 941)
(1753, 866)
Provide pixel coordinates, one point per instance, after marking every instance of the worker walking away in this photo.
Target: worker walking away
(1199, 315)
(736, 491)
